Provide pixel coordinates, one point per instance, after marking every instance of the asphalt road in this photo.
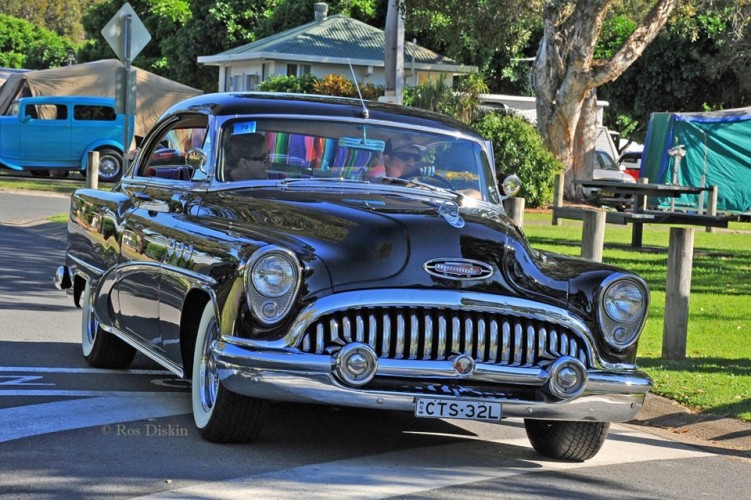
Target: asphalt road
(69, 431)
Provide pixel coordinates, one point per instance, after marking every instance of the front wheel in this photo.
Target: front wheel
(574, 441)
(110, 165)
(221, 416)
(101, 349)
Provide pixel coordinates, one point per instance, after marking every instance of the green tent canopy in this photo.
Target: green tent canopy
(718, 153)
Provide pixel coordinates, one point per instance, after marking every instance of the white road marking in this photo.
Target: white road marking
(420, 470)
(92, 371)
(108, 408)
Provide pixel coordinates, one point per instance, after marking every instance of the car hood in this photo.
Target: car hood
(385, 239)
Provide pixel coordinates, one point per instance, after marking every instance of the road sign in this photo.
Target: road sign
(116, 33)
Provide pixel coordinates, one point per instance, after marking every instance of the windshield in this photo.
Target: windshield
(258, 149)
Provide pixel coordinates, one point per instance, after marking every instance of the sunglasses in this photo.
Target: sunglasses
(262, 158)
(407, 156)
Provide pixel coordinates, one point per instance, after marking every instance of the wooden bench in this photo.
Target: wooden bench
(577, 213)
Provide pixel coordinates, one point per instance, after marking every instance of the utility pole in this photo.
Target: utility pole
(394, 54)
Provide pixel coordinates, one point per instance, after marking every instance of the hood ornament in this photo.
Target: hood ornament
(458, 269)
(450, 212)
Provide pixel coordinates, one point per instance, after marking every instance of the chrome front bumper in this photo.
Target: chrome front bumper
(310, 378)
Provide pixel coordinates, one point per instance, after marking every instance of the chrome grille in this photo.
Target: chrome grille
(436, 334)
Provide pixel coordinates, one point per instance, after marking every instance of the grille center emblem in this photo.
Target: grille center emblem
(458, 269)
(463, 364)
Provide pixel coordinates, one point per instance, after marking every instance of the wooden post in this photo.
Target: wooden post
(712, 208)
(557, 196)
(637, 227)
(677, 291)
(515, 210)
(92, 170)
(593, 234)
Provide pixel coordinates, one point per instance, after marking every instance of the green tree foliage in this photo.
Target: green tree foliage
(23, 45)
(181, 30)
(680, 71)
(60, 16)
(288, 14)
(494, 35)
(519, 149)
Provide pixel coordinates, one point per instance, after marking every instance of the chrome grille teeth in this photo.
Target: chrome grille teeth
(437, 334)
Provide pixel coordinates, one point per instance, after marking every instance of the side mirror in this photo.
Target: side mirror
(510, 184)
(196, 159)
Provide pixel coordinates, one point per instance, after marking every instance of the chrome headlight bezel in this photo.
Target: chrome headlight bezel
(271, 305)
(622, 307)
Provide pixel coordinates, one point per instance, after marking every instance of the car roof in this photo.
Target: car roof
(76, 99)
(269, 103)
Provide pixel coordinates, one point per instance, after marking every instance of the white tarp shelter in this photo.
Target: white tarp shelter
(155, 94)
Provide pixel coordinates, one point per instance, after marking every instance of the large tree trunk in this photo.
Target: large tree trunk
(565, 74)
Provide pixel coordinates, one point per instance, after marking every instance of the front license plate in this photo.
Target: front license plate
(468, 410)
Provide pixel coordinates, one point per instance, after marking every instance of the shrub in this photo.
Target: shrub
(335, 85)
(291, 84)
(518, 149)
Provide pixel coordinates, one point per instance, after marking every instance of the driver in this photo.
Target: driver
(400, 158)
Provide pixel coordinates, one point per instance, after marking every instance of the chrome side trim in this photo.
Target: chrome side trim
(145, 348)
(86, 265)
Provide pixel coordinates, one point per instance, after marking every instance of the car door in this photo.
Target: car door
(165, 187)
(46, 132)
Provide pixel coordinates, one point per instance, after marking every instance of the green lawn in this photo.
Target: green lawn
(716, 376)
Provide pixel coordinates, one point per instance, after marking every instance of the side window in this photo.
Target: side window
(94, 113)
(168, 156)
(47, 111)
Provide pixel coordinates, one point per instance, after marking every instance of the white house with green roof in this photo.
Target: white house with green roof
(326, 46)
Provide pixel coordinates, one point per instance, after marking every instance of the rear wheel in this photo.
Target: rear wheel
(110, 165)
(221, 416)
(101, 349)
(574, 441)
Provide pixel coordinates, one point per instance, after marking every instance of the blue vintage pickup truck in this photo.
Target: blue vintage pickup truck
(55, 134)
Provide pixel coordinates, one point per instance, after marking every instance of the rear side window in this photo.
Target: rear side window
(94, 113)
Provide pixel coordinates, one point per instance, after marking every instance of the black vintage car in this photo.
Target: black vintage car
(326, 280)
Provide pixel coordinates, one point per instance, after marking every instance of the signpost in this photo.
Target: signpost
(127, 36)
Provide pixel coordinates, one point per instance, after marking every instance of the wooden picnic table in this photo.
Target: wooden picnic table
(640, 214)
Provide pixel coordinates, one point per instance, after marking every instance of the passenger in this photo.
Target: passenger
(246, 157)
(400, 158)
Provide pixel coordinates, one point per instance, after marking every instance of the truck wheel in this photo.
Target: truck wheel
(221, 416)
(110, 165)
(101, 349)
(574, 441)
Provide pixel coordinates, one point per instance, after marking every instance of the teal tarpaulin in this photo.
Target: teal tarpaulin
(718, 153)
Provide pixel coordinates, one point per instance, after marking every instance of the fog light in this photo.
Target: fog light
(356, 364)
(620, 335)
(269, 309)
(567, 379)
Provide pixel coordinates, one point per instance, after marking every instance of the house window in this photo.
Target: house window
(237, 81)
(251, 82)
(298, 69)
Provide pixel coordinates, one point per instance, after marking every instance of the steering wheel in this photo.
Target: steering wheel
(432, 180)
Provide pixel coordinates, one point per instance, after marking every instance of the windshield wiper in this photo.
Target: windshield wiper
(415, 183)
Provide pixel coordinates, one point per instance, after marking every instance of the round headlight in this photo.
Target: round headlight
(273, 275)
(624, 301)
